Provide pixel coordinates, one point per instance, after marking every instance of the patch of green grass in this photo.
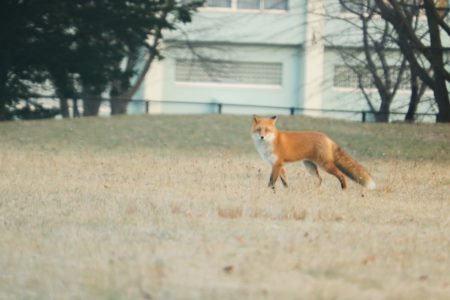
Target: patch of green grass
(200, 134)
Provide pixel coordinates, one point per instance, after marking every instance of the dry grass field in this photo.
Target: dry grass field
(176, 207)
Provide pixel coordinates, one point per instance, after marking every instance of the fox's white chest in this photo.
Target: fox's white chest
(265, 150)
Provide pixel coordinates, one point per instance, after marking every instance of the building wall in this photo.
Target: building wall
(243, 26)
(233, 35)
(301, 39)
(286, 94)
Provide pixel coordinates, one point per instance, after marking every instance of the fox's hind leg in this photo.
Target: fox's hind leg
(313, 170)
(333, 170)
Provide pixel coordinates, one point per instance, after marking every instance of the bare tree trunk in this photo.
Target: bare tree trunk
(119, 105)
(64, 89)
(417, 90)
(414, 100)
(64, 107)
(437, 63)
(442, 100)
(3, 114)
(91, 104)
(3, 95)
(76, 112)
(382, 115)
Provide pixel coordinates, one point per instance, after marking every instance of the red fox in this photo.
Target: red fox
(313, 148)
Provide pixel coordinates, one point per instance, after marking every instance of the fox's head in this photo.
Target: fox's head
(263, 129)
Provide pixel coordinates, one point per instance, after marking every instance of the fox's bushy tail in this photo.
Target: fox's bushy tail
(353, 169)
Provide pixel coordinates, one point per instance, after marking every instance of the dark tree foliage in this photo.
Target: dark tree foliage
(80, 46)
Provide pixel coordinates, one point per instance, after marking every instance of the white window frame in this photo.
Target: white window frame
(346, 14)
(235, 9)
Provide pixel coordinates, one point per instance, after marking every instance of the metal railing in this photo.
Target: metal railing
(220, 108)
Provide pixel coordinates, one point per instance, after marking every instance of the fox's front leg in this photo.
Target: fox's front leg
(276, 170)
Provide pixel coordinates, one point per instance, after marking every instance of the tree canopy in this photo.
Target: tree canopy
(80, 46)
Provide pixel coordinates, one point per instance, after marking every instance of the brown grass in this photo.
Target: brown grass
(165, 224)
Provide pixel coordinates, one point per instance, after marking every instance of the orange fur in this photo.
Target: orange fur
(314, 148)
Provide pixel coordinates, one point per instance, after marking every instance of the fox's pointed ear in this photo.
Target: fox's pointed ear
(256, 119)
(274, 118)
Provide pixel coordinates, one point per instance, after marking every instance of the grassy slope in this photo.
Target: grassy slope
(209, 133)
(165, 207)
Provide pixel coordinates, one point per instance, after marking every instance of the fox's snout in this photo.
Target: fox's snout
(264, 137)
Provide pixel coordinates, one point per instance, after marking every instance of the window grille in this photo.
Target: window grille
(276, 4)
(228, 72)
(346, 77)
(249, 4)
(218, 3)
